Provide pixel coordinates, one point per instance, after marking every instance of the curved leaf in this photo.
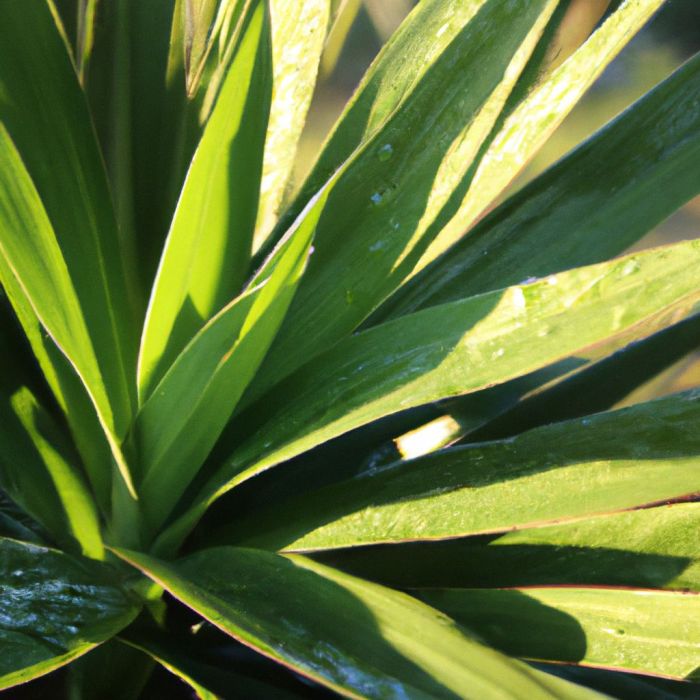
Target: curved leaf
(649, 548)
(583, 466)
(34, 263)
(588, 207)
(38, 471)
(54, 608)
(655, 632)
(397, 185)
(180, 423)
(44, 114)
(355, 637)
(209, 244)
(461, 347)
(534, 119)
(298, 35)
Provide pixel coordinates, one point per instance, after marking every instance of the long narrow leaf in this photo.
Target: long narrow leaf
(44, 113)
(454, 349)
(583, 467)
(655, 632)
(298, 34)
(36, 472)
(355, 637)
(36, 265)
(646, 548)
(539, 114)
(189, 408)
(397, 186)
(210, 240)
(590, 206)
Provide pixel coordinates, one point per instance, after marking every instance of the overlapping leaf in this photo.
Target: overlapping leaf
(655, 632)
(208, 248)
(648, 548)
(38, 471)
(54, 608)
(467, 345)
(298, 34)
(180, 423)
(37, 273)
(355, 637)
(53, 138)
(387, 206)
(590, 206)
(564, 471)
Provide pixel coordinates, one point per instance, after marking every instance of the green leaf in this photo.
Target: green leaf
(197, 40)
(398, 185)
(54, 608)
(189, 408)
(38, 471)
(355, 637)
(34, 263)
(298, 35)
(647, 548)
(69, 391)
(44, 113)
(209, 244)
(600, 385)
(655, 632)
(86, 35)
(460, 348)
(589, 207)
(622, 685)
(583, 466)
(343, 13)
(530, 124)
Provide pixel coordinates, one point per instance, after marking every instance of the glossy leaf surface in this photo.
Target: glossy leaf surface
(51, 130)
(358, 638)
(298, 35)
(54, 608)
(180, 423)
(540, 112)
(655, 632)
(461, 347)
(647, 548)
(581, 466)
(389, 202)
(588, 207)
(209, 244)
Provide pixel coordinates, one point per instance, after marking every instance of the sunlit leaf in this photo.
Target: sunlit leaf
(656, 632)
(581, 466)
(588, 207)
(209, 244)
(350, 635)
(39, 471)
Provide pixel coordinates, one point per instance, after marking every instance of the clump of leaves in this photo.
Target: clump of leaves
(361, 430)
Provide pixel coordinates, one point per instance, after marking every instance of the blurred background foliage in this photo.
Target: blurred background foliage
(669, 39)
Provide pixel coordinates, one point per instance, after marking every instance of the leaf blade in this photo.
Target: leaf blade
(653, 632)
(310, 597)
(498, 486)
(81, 601)
(203, 263)
(652, 174)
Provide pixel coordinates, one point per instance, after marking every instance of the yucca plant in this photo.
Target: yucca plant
(360, 429)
